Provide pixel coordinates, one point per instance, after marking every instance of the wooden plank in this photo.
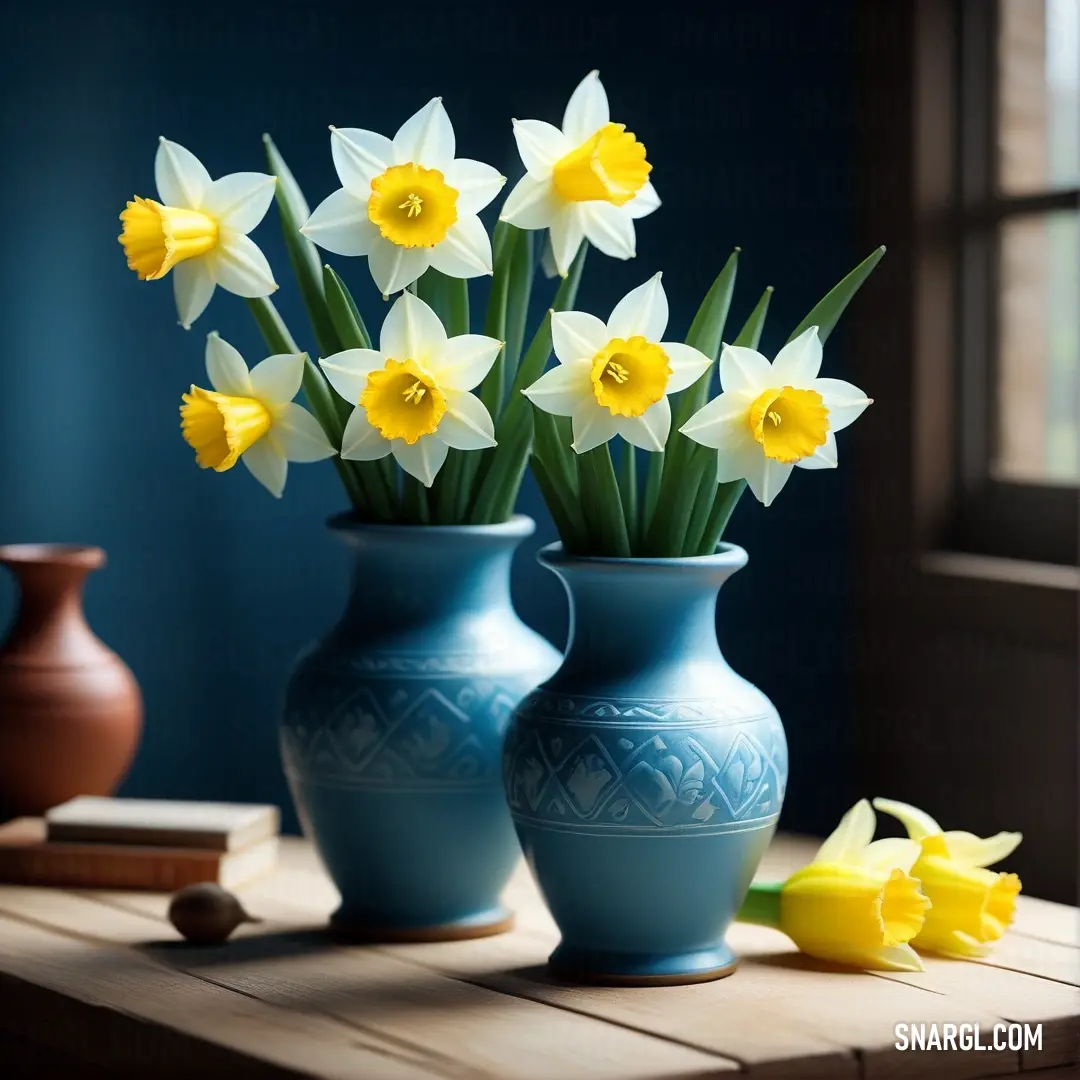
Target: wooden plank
(124, 1012)
(460, 1028)
(1048, 921)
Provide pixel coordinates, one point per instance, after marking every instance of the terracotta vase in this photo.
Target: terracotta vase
(70, 710)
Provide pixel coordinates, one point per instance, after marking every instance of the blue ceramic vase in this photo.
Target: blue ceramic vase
(394, 724)
(645, 777)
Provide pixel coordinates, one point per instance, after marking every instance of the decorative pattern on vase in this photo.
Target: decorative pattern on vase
(645, 768)
(407, 734)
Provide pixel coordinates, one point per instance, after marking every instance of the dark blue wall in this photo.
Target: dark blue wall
(747, 112)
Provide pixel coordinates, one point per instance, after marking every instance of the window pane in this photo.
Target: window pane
(1039, 349)
(1038, 95)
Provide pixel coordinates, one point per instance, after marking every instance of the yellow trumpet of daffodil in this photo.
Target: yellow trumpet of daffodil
(855, 903)
(972, 906)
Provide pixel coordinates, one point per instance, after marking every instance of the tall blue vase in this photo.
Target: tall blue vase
(394, 724)
(645, 777)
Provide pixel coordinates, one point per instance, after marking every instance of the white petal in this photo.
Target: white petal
(423, 459)
(824, 457)
(193, 285)
(844, 401)
(412, 331)
(973, 850)
(744, 369)
(359, 156)
(540, 145)
(587, 110)
(644, 202)
(562, 389)
(722, 423)
(919, 823)
(476, 184)
(466, 424)
(767, 479)
(426, 138)
(463, 361)
(393, 267)
(593, 425)
(650, 430)
(340, 224)
(577, 335)
(567, 233)
(267, 465)
(799, 361)
(347, 371)
(181, 178)
(547, 259)
(851, 836)
(643, 311)
(299, 437)
(240, 200)
(532, 204)
(362, 441)
(738, 458)
(687, 365)
(241, 267)
(465, 251)
(609, 228)
(276, 380)
(225, 367)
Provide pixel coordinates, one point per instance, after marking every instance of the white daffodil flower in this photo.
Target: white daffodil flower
(407, 203)
(613, 378)
(772, 417)
(412, 394)
(588, 181)
(198, 229)
(251, 416)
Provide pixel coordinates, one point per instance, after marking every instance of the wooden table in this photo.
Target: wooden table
(96, 984)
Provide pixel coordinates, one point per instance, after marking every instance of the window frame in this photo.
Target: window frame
(1028, 521)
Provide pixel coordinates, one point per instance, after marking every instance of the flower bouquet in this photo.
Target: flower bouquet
(394, 724)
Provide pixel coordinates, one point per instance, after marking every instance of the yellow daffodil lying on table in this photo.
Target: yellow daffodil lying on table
(856, 903)
(438, 425)
(198, 230)
(972, 906)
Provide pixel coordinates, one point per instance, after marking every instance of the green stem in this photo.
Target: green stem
(562, 510)
(724, 502)
(703, 503)
(628, 490)
(602, 504)
(762, 905)
(674, 506)
(318, 393)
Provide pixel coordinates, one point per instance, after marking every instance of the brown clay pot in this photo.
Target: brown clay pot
(70, 710)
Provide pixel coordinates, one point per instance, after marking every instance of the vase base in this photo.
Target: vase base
(487, 924)
(641, 969)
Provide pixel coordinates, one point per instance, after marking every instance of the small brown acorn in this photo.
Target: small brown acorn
(207, 914)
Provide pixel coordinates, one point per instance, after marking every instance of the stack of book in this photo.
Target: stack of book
(152, 844)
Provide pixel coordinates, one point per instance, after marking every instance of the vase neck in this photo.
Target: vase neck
(634, 622)
(404, 577)
(50, 626)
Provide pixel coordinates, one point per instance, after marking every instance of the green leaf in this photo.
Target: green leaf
(750, 335)
(562, 509)
(350, 328)
(559, 460)
(493, 386)
(629, 493)
(318, 393)
(724, 502)
(702, 507)
(826, 313)
(519, 292)
(670, 469)
(602, 504)
(303, 256)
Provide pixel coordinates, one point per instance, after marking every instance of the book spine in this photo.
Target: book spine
(106, 870)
